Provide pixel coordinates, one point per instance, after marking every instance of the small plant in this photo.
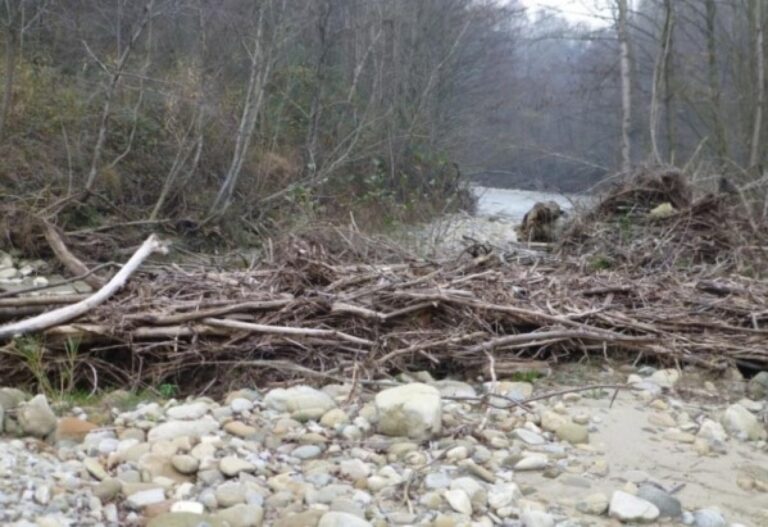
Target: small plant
(600, 262)
(67, 376)
(168, 390)
(32, 352)
(526, 376)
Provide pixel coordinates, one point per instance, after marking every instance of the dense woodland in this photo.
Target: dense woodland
(285, 110)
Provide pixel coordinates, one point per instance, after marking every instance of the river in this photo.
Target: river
(499, 211)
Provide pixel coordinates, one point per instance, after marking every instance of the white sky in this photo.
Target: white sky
(592, 12)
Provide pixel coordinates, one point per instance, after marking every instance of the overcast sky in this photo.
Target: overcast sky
(588, 11)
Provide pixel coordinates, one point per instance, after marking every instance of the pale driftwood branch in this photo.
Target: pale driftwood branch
(181, 318)
(69, 260)
(285, 330)
(97, 332)
(71, 312)
(50, 300)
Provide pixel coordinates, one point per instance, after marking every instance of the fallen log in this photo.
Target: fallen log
(69, 260)
(71, 312)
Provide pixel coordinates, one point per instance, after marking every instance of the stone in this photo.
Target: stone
(143, 498)
(240, 429)
(185, 463)
(668, 505)
(72, 429)
(573, 433)
(334, 418)
(533, 518)
(663, 420)
(308, 518)
(532, 462)
(665, 378)
(36, 418)
(712, 431)
(242, 516)
(551, 421)
(342, 519)
(184, 519)
(95, 469)
(503, 495)
(107, 489)
(241, 405)
(708, 518)
(519, 391)
(195, 507)
(459, 501)
(628, 508)
(173, 429)
(594, 504)
(413, 410)
(307, 452)
(451, 388)
(527, 436)
(188, 412)
(231, 466)
(741, 423)
(230, 493)
(354, 469)
(757, 387)
(300, 401)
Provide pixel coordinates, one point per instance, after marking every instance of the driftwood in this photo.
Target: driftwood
(71, 312)
(69, 260)
(476, 316)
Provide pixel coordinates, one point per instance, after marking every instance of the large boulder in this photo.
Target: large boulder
(413, 410)
(741, 423)
(36, 418)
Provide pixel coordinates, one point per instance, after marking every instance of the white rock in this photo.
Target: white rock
(518, 391)
(173, 429)
(665, 378)
(341, 519)
(712, 431)
(459, 501)
(708, 518)
(241, 405)
(413, 410)
(192, 507)
(628, 508)
(740, 422)
(36, 418)
(299, 399)
(141, 499)
(188, 412)
(532, 438)
(354, 469)
(232, 466)
(532, 462)
(532, 518)
(503, 495)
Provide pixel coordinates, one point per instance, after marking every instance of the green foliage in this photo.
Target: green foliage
(33, 354)
(600, 262)
(525, 376)
(168, 390)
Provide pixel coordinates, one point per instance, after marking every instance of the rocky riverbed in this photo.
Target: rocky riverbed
(674, 449)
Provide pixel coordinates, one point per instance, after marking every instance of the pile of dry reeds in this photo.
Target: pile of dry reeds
(313, 315)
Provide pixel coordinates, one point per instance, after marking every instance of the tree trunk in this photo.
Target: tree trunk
(755, 154)
(661, 80)
(626, 87)
(11, 48)
(721, 141)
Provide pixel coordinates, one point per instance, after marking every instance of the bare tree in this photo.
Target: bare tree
(755, 152)
(626, 86)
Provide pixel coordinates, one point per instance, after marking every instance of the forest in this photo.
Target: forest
(258, 113)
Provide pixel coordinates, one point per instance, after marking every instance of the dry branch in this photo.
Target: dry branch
(69, 260)
(71, 312)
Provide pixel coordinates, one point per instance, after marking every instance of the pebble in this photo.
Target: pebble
(627, 508)
(594, 504)
(459, 501)
(668, 505)
(708, 518)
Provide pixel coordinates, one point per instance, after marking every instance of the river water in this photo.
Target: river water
(499, 211)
